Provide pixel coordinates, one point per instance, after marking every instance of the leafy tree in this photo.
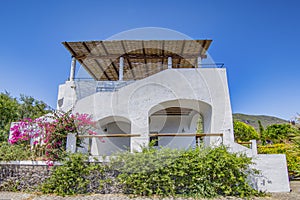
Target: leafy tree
(8, 113)
(32, 108)
(12, 110)
(280, 133)
(244, 132)
(261, 128)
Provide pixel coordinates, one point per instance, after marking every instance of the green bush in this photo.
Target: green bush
(202, 172)
(70, 178)
(10, 152)
(278, 133)
(244, 132)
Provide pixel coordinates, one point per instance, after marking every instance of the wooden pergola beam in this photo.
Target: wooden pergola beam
(140, 56)
(127, 59)
(110, 60)
(145, 60)
(79, 60)
(182, 50)
(99, 65)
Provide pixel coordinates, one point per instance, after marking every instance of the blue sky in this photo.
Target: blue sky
(257, 40)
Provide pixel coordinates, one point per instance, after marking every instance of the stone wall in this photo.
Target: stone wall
(26, 176)
(23, 175)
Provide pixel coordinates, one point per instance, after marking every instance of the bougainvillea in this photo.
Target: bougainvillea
(48, 134)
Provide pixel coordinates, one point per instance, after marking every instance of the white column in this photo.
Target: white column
(169, 62)
(199, 62)
(139, 125)
(121, 68)
(73, 68)
(71, 143)
(254, 147)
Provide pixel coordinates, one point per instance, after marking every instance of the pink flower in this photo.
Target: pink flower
(91, 132)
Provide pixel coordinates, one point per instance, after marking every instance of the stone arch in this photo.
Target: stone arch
(112, 125)
(179, 116)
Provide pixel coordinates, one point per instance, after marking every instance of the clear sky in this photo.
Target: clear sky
(257, 40)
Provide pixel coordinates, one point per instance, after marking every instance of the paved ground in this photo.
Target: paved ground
(294, 195)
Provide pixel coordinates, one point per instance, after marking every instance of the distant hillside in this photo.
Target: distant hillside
(253, 120)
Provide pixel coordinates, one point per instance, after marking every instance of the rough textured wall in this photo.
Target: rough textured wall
(22, 177)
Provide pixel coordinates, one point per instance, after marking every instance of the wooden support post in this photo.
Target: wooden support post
(73, 68)
(121, 68)
(169, 62)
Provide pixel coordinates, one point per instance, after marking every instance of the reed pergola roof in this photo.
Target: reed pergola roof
(142, 58)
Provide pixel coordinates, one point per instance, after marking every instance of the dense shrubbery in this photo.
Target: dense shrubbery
(15, 152)
(280, 133)
(201, 172)
(244, 132)
(70, 178)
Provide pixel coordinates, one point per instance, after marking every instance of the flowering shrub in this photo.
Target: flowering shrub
(48, 134)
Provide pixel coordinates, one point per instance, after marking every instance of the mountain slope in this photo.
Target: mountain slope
(253, 119)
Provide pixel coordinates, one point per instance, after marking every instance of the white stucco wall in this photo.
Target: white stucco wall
(202, 89)
(274, 173)
(205, 90)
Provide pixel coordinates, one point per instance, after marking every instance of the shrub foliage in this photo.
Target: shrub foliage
(201, 172)
(280, 133)
(70, 178)
(14, 152)
(244, 132)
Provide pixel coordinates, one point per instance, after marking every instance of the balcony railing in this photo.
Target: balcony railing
(88, 86)
(111, 86)
(71, 139)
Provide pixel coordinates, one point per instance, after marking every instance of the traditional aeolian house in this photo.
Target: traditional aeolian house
(158, 89)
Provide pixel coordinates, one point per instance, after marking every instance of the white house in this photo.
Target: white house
(158, 89)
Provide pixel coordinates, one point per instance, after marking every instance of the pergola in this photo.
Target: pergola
(135, 59)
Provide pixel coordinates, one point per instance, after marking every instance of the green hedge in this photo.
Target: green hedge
(202, 172)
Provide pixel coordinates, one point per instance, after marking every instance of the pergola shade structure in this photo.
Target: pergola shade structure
(140, 58)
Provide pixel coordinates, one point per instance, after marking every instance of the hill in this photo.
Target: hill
(253, 119)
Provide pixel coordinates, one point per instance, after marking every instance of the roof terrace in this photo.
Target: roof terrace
(127, 60)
